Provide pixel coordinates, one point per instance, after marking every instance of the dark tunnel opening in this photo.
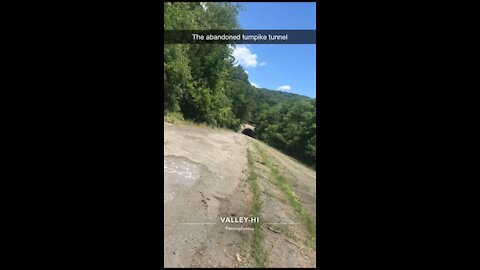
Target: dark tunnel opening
(248, 132)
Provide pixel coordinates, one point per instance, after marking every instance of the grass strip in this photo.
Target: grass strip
(286, 188)
(259, 253)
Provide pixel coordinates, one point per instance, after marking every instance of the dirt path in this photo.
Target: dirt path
(205, 180)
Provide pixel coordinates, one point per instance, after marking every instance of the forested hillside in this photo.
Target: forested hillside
(203, 84)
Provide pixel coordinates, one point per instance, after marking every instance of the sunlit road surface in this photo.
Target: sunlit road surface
(179, 173)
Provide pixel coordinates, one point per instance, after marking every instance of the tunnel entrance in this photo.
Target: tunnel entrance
(248, 132)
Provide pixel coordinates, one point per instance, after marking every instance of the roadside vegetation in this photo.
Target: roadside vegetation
(279, 180)
(256, 154)
(258, 252)
(174, 117)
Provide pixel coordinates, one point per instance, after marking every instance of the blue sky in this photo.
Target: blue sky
(291, 67)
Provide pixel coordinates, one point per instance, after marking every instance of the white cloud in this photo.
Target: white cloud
(246, 72)
(254, 84)
(244, 57)
(285, 88)
(263, 64)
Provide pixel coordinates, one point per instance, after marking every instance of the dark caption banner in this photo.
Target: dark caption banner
(240, 37)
